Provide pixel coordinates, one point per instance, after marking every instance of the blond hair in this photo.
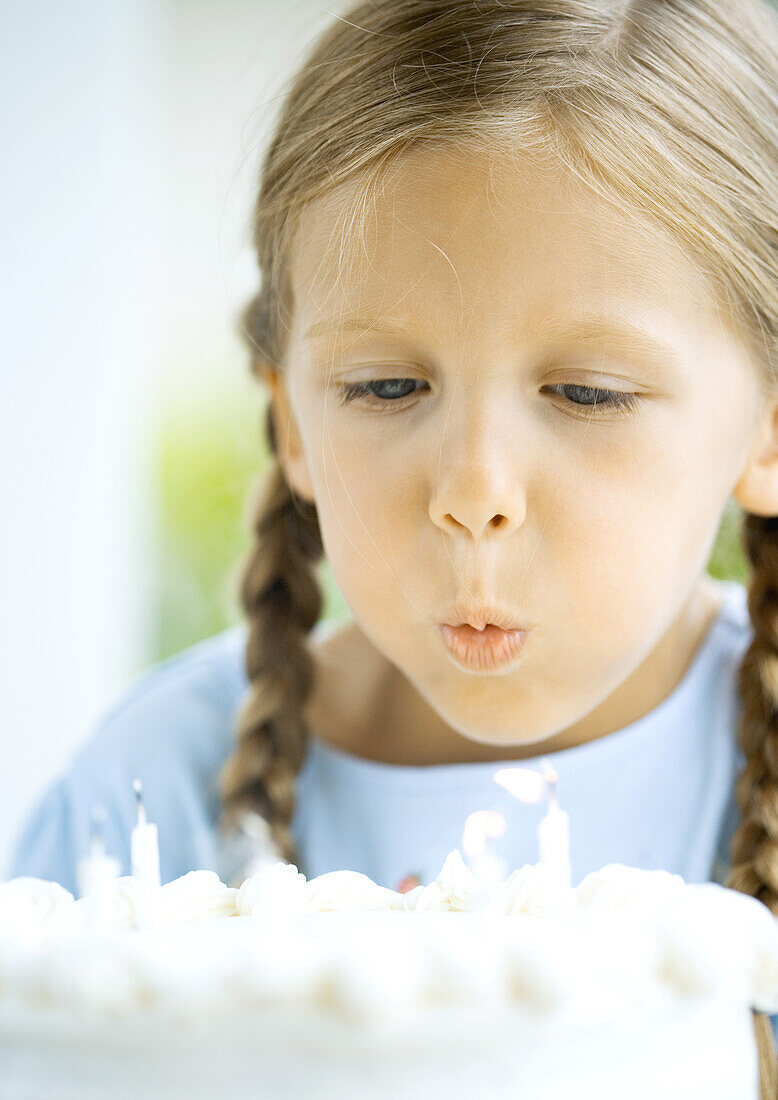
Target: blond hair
(666, 106)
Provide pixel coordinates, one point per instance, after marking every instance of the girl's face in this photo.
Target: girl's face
(489, 302)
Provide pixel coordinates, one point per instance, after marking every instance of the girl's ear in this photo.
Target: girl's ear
(290, 447)
(757, 489)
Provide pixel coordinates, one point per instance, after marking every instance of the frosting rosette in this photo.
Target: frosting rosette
(33, 908)
(193, 896)
(455, 889)
(342, 891)
(533, 890)
(275, 889)
(617, 887)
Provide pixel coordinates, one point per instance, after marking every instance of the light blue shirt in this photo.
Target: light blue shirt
(658, 793)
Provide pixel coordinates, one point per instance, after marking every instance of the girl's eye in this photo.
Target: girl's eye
(385, 391)
(591, 397)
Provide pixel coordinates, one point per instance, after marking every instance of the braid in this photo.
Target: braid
(754, 850)
(281, 596)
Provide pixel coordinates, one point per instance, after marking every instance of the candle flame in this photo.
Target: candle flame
(522, 783)
(551, 780)
(550, 774)
(478, 826)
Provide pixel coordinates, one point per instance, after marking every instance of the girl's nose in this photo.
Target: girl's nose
(480, 496)
(477, 502)
(477, 486)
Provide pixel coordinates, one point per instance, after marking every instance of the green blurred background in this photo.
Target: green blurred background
(207, 458)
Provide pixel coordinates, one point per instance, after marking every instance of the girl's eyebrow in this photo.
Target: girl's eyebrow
(620, 333)
(355, 323)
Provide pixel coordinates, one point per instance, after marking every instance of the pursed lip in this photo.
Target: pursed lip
(483, 650)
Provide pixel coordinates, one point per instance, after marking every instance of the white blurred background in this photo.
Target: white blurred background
(129, 426)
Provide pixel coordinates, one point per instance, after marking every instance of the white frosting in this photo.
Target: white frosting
(342, 891)
(617, 887)
(453, 889)
(536, 891)
(669, 1048)
(124, 907)
(458, 988)
(31, 908)
(708, 936)
(276, 887)
(532, 889)
(193, 896)
(737, 936)
(622, 934)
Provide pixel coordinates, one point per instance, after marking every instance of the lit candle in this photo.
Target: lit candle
(144, 844)
(486, 866)
(554, 834)
(96, 872)
(144, 859)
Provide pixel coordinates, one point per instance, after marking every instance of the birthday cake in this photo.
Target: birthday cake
(634, 983)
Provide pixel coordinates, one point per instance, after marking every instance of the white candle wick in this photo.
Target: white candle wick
(553, 797)
(137, 786)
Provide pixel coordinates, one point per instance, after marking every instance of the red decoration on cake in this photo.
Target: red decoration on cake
(409, 882)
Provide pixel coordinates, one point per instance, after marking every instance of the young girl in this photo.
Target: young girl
(519, 321)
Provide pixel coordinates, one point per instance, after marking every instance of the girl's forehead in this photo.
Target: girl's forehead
(492, 236)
